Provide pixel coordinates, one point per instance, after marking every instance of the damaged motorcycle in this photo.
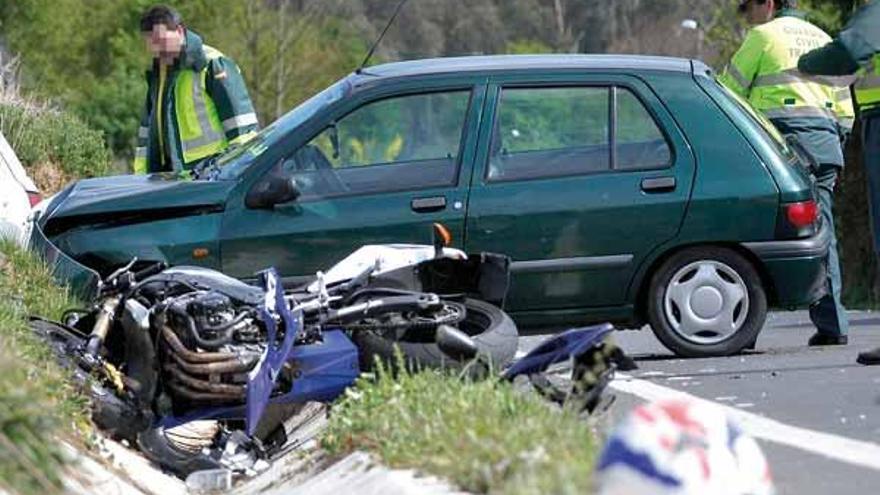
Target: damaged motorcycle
(167, 347)
(202, 371)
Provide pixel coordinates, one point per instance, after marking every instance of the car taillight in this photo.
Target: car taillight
(802, 214)
(797, 220)
(34, 198)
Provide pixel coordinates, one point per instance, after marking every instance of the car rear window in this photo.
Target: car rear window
(545, 132)
(639, 142)
(761, 123)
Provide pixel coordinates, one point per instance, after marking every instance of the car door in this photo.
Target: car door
(579, 177)
(381, 169)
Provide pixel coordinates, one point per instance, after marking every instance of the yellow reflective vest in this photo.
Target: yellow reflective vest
(867, 87)
(193, 112)
(764, 71)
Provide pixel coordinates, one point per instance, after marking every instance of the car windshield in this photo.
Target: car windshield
(232, 164)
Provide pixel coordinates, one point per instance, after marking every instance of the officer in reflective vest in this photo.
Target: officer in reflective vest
(856, 50)
(818, 112)
(197, 104)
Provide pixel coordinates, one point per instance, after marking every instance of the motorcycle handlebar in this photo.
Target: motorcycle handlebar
(149, 271)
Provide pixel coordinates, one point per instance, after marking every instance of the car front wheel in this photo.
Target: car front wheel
(706, 301)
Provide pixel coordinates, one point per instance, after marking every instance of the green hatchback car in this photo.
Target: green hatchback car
(628, 189)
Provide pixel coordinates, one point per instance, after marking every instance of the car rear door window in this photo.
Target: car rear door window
(544, 132)
(393, 144)
(639, 143)
(562, 131)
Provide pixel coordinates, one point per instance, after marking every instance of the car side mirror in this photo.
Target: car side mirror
(273, 190)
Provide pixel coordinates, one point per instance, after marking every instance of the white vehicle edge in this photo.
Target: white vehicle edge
(18, 194)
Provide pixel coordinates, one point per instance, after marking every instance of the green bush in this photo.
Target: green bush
(41, 135)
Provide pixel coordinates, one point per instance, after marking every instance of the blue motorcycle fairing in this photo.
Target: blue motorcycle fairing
(261, 380)
(320, 371)
(561, 347)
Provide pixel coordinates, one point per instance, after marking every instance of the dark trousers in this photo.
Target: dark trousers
(871, 150)
(828, 313)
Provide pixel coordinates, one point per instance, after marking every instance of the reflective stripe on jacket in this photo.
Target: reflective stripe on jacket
(210, 105)
(867, 87)
(201, 133)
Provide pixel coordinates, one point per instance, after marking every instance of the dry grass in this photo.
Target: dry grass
(49, 177)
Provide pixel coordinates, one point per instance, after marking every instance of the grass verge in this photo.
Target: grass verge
(37, 403)
(483, 436)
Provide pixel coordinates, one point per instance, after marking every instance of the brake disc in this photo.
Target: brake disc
(450, 313)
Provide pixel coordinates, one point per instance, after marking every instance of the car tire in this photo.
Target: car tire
(492, 330)
(706, 301)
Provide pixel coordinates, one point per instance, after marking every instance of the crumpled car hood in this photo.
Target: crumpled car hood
(130, 194)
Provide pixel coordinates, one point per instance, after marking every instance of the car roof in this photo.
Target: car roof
(495, 63)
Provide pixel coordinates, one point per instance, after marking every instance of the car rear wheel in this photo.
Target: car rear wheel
(706, 301)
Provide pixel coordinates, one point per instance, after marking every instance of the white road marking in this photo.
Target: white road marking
(652, 373)
(856, 452)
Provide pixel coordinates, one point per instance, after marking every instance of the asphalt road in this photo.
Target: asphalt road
(824, 436)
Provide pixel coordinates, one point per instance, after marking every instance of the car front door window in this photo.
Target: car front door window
(401, 143)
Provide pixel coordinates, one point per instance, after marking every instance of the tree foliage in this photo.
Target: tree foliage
(88, 54)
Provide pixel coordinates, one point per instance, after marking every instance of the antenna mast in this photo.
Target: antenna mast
(382, 35)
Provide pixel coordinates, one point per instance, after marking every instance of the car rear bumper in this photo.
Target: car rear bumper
(82, 280)
(796, 269)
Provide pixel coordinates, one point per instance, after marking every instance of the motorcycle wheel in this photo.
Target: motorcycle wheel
(491, 329)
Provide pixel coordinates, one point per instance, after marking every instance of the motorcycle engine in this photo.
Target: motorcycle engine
(210, 310)
(210, 342)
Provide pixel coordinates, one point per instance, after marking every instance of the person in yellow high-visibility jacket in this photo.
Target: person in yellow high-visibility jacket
(818, 112)
(197, 104)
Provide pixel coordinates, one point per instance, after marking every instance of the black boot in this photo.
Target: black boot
(825, 339)
(869, 357)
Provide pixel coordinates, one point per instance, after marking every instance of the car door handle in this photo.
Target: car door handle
(427, 205)
(658, 184)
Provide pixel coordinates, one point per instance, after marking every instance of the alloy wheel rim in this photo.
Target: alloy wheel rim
(706, 302)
